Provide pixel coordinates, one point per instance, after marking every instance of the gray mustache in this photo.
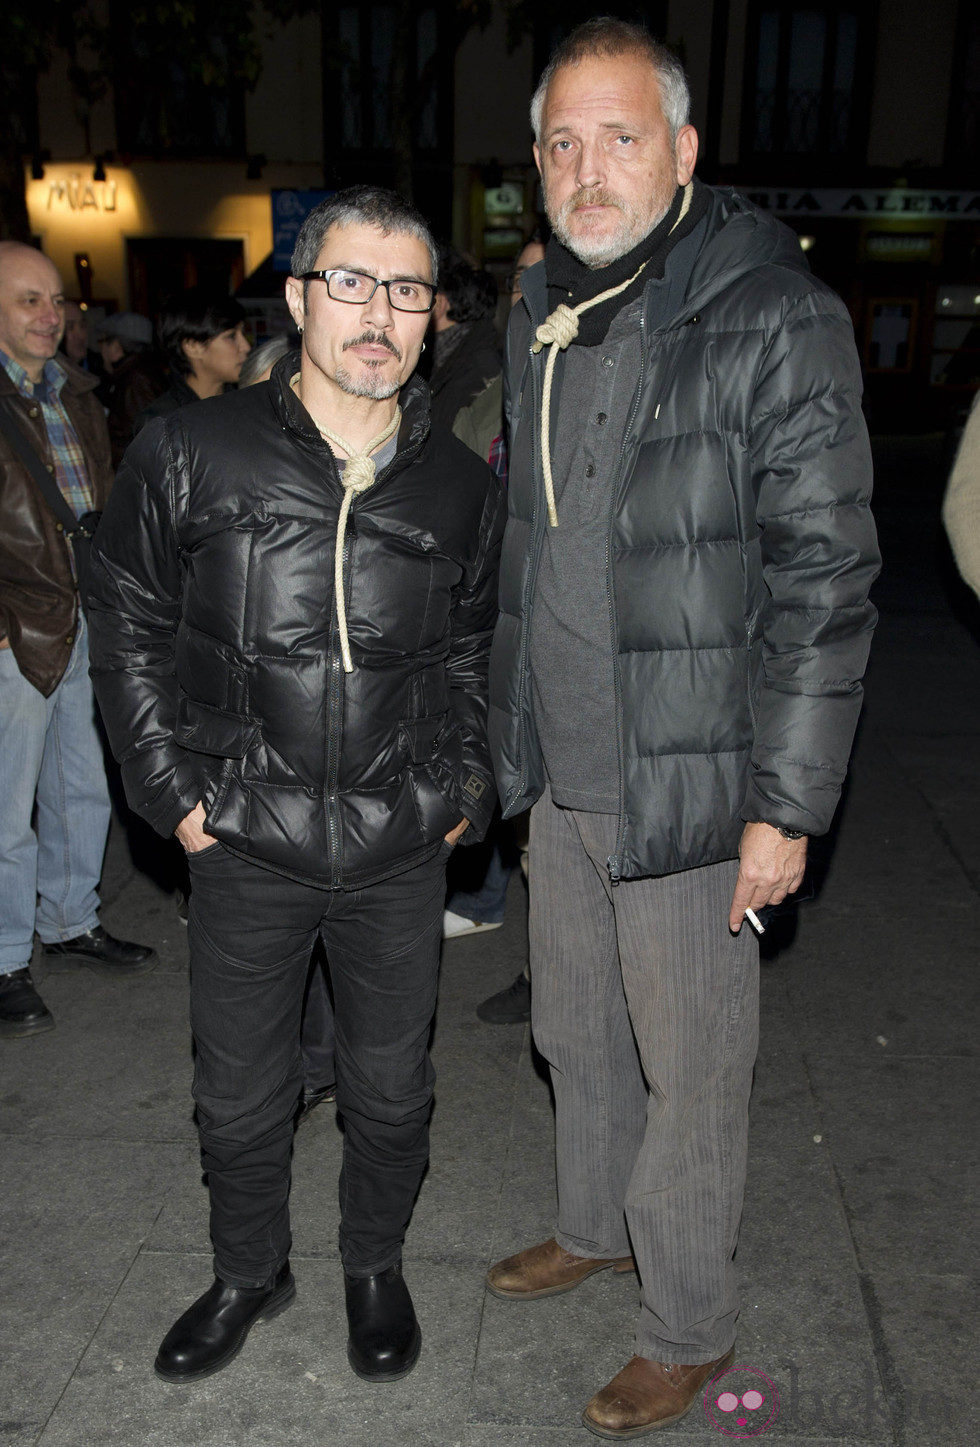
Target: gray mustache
(594, 196)
(375, 339)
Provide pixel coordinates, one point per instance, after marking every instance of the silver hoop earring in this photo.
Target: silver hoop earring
(423, 348)
(300, 330)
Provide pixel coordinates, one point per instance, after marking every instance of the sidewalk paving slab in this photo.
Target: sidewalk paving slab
(857, 1259)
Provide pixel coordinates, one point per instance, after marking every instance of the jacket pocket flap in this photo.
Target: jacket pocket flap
(207, 730)
(420, 735)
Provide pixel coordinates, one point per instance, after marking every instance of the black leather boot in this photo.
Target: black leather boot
(212, 1331)
(101, 951)
(22, 1011)
(384, 1340)
(312, 1097)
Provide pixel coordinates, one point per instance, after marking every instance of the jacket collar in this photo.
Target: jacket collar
(413, 400)
(76, 381)
(740, 238)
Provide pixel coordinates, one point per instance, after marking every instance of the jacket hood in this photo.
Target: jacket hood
(740, 238)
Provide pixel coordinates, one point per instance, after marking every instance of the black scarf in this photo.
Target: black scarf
(571, 281)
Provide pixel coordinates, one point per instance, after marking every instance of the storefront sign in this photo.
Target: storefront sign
(899, 245)
(74, 193)
(944, 205)
(289, 210)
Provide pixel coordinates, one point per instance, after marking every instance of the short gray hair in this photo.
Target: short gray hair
(360, 206)
(263, 355)
(605, 35)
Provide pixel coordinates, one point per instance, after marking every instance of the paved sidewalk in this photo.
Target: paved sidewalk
(858, 1250)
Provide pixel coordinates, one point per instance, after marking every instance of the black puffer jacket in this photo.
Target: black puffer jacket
(214, 636)
(741, 552)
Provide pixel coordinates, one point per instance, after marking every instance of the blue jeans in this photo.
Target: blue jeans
(51, 756)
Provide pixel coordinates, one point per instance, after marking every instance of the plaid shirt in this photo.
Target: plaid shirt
(66, 451)
(498, 458)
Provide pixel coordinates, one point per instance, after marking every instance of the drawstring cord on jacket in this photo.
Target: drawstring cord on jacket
(558, 331)
(358, 475)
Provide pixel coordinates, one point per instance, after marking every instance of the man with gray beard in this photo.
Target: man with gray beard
(676, 680)
(295, 588)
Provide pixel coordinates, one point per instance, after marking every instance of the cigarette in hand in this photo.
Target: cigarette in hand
(755, 921)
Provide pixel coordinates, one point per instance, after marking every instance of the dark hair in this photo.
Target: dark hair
(606, 35)
(360, 206)
(471, 293)
(539, 235)
(133, 349)
(194, 316)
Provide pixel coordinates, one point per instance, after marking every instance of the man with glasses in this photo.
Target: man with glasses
(294, 593)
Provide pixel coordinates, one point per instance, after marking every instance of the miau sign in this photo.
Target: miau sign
(77, 194)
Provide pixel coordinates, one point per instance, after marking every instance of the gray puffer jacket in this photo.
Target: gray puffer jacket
(741, 552)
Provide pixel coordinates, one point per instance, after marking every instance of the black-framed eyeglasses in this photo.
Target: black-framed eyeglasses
(405, 294)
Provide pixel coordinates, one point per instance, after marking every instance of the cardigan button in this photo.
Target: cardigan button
(49, 466)
(33, 411)
(70, 639)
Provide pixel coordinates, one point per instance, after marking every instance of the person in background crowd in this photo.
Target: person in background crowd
(54, 802)
(465, 341)
(202, 336)
(74, 343)
(675, 682)
(465, 384)
(294, 590)
(134, 375)
(961, 506)
(529, 255)
(258, 365)
(480, 425)
(317, 1034)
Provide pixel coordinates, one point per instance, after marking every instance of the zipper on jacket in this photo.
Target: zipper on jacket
(336, 689)
(335, 713)
(334, 716)
(615, 862)
(537, 543)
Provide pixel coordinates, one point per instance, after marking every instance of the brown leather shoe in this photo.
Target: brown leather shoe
(546, 1270)
(646, 1395)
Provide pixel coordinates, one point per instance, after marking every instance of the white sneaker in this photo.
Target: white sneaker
(454, 926)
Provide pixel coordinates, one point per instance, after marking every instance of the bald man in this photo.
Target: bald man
(50, 754)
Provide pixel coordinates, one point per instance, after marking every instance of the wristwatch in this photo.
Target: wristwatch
(791, 833)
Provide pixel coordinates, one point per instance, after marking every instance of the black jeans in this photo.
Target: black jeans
(251, 933)
(316, 1032)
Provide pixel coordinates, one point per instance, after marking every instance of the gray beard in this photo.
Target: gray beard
(602, 253)
(378, 388)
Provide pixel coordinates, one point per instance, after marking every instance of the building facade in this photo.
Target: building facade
(855, 121)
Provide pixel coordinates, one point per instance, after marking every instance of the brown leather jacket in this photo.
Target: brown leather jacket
(38, 597)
